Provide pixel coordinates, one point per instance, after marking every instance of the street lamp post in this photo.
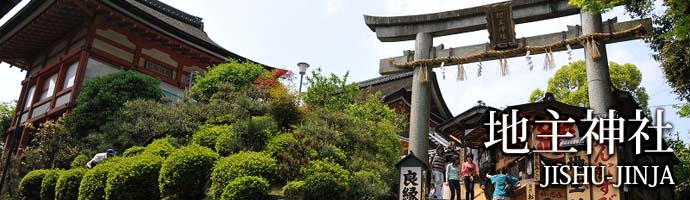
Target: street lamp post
(302, 70)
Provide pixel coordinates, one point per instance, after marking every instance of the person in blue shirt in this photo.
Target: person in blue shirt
(453, 178)
(499, 181)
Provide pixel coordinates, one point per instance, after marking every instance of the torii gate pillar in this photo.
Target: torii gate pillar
(420, 106)
(598, 77)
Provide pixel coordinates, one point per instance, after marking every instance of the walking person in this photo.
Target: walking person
(453, 178)
(487, 168)
(503, 185)
(469, 170)
(438, 164)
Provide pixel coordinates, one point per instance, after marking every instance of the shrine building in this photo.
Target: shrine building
(396, 90)
(64, 43)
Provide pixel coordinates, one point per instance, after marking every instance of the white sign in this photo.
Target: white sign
(410, 183)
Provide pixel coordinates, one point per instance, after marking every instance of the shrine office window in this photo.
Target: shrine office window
(48, 86)
(70, 75)
(30, 97)
(96, 68)
(155, 67)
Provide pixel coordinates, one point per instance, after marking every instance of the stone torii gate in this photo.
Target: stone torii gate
(423, 28)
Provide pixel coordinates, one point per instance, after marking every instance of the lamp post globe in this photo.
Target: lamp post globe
(302, 70)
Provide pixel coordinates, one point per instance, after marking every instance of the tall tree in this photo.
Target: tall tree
(101, 97)
(6, 114)
(569, 84)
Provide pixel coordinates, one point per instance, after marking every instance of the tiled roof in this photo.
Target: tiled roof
(174, 13)
(383, 79)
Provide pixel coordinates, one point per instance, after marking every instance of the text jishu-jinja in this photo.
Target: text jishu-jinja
(627, 175)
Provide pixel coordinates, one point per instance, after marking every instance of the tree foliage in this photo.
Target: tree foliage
(141, 121)
(232, 71)
(101, 97)
(683, 110)
(53, 146)
(569, 84)
(331, 92)
(681, 172)
(6, 113)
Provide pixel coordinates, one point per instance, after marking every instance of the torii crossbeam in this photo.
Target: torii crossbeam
(422, 28)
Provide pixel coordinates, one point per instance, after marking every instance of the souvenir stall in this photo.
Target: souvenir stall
(471, 129)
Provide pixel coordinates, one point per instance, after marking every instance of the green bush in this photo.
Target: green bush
(241, 164)
(367, 185)
(207, 135)
(102, 96)
(93, 183)
(30, 185)
(67, 187)
(328, 152)
(247, 187)
(133, 151)
(246, 135)
(283, 108)
(137, 178)
(48, 184)
(160, 147)
(232, 71)
(228, 143)
(325, 180)
(185, 173)
(290, 154)
(79, 161)
(294, 190)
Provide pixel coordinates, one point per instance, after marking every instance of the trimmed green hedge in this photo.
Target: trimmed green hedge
(245, 163)
(67, 187)
(160, 147)
(207, 135)
(325, 180)
(93, 183)
(294, 190)
(368, 185)
(133, 151)
(137, 178)
(79, 161)
(247, 187)
(48, 184)
(30, 185)
(185, 173)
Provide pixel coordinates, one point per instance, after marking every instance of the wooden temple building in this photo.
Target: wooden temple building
(396, 90)
(470, 126)
(63, 43)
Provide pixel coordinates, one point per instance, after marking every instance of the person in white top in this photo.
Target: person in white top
(99, 157)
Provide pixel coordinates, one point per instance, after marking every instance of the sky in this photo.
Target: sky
(331, 35)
